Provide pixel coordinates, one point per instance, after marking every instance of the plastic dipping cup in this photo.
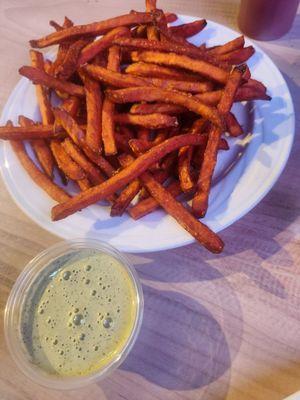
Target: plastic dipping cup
(56, 281)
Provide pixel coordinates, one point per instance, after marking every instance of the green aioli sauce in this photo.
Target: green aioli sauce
(78, 314)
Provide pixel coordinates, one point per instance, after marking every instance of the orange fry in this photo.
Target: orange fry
(108, 123)
(189, 29)
(182, 61)
(233, 126)
(69, 64)
(93, 29)
(154, 45)
(137, 94)
(234, 44)
(96, 47)
(75, 153)
(149, 204)
(84, 184)
(78, 136)
(71, 169)
(114, 58)
(238, 56)
(162, 108)
(152, 33)
(42, 180)
(200, 200)
(39, 77)
(62, 48)
(71, 105)
(200, 231)
(37, 61)
(185, 155)
(159, 71)
(125, 198)
(94, 113)
(171, 17)
(127, 80)
(125, 176)
(151, 121)
(40, 147)
(29, 132)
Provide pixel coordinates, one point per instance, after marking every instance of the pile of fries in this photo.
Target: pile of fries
(141, 116)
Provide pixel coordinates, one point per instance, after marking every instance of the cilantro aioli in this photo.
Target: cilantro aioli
(79, 313)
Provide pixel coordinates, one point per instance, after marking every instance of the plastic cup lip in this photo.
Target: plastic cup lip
(18, 294)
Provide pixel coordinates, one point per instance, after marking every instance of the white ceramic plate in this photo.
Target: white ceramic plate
(243, 177)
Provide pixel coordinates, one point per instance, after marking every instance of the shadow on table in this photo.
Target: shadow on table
(181, 346)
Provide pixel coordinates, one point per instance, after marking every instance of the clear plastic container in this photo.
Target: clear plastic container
(17, 297)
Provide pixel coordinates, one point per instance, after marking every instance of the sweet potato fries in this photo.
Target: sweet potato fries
(141, 117)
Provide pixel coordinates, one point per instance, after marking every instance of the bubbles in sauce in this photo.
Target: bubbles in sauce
(79, 314)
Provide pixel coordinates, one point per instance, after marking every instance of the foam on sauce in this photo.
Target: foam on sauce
(78, 314)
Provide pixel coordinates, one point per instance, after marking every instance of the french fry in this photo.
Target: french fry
(229, 92)
(108, 111)
(127, 80)
(37, 61)
(223, 144)
(122, 143)
(71, 169)
(185, 155)
(255, 85)
(94, 29)
(149, 204)
(84, 184)
(210, 98)
(244, 93)
(139, 31)
(201, 67)
(39, 77)
(78, 136)
(142, 145)
(171, 17)
(228, 47)
(250, 93)
(233, 126)
(198, 230)
(114, 58)
(41, 179)
(161, 108)
(189, 29)
(41, 147)
(76, 154)
(200, 200)
(137, 94)
(125, 176)
(125, 198)
(69, 64)
(94, 113)
(151, 121)
(71, 105)
(152, 33)
(238, 56)
(96, 47)
(159, 71)
(29, 132)
(166, 47)
(62, 48)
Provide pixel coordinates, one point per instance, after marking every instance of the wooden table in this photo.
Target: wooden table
(215, 327)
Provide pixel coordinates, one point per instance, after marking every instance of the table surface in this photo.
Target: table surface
(215, 327)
